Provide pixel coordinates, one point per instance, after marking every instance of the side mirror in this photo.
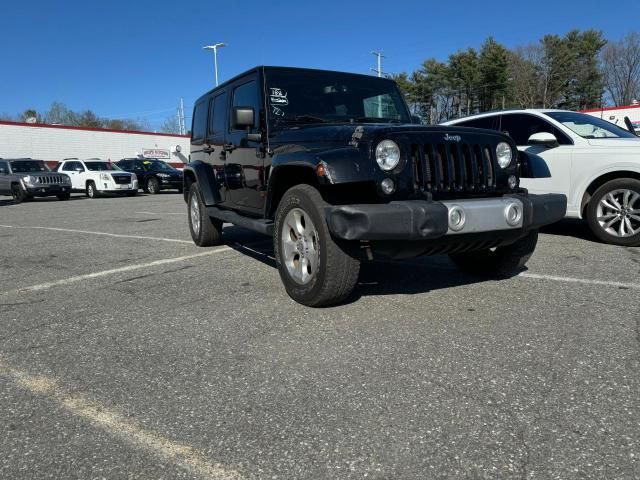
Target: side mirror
(544, 139)
(79, 169)
(416, 119)
(242, 118)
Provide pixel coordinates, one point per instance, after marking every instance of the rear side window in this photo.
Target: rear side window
(199, 126)
(218, 117)
(246, 95)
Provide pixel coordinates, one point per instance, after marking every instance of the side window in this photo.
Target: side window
(67, 166)
(489, 123)
(520, 127)
(246, 95)
(4, 167)
(199, 125)
(125, 165)
(218, 117)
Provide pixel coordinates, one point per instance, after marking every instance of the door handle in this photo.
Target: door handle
(229, 147)
(208, 149)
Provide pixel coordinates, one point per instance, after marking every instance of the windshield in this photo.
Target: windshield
(589, 127)
(295, 97)
(156, 165)
(101, 166)
(29, 166)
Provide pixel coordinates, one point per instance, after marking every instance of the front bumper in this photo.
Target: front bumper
(111, 187)
(171, 183)
(429, 220)
(48, 190)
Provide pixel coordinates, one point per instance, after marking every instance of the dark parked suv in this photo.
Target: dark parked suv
(331, 165)
(25, 178)
(153, 174)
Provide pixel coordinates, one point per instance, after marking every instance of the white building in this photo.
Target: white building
(616, 115)
(53, 143)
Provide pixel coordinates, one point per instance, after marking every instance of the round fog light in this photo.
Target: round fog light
(513, 214)
(456, 218)
(513, 182)
(387, 185)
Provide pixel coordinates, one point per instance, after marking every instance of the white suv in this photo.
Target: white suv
(596, 164)
(97, 176)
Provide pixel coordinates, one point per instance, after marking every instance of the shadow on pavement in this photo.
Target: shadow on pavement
(570, 227)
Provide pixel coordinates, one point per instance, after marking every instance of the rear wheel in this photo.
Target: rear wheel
(205, 231)
(18, 193)
(499, 262)
(92, 192)
(64, 196)
(316, 269)
(613, 213)
(153, 186)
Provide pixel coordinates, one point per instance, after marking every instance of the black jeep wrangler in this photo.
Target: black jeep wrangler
(331, 165)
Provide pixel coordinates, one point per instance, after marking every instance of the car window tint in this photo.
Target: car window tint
(4, 166)
(67, 167)
(219, 116)
(246, 95)
(520, 127)
(199, 126)
(490, 123)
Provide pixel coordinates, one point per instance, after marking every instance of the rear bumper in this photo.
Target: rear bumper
(428, 220)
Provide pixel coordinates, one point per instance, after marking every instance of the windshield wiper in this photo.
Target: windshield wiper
(304, 119)
(375, 120)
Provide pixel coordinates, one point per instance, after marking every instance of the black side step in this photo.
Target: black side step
(257, 224)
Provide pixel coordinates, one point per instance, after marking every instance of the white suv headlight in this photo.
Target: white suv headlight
(504, 154)
(105, 176)
(387, 155)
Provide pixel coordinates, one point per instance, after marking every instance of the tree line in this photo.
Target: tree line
(60, 114)
(577, 71)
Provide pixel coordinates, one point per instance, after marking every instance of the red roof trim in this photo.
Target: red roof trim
(607, 109)
(89, 129)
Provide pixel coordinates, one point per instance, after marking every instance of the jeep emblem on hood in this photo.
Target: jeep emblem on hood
(452, 138)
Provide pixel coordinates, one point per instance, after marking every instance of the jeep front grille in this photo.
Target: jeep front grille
(454, 167)
(50, 179)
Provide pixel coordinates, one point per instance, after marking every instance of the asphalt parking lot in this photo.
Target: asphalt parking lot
(128, 352)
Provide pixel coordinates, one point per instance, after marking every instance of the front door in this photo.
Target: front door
(520, 127)
(76, 171)
(244, 162)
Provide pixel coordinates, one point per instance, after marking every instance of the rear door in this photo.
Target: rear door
(5, 181)
(244, 163)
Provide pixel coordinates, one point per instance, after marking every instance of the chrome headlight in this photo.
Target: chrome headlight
(504, 154)
(29, 180)
(105, 176)
(387, 155)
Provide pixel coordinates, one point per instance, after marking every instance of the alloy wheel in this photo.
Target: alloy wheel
(618, 213)
(300, 246)
(195, 214)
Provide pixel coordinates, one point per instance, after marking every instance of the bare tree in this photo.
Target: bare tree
(621, 64)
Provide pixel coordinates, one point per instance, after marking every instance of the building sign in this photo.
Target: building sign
(156, 153)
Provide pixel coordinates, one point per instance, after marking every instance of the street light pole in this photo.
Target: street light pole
(215, 57)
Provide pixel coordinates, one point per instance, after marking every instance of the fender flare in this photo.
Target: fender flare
(207, 181)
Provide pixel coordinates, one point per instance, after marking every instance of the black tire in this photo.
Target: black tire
(153, 186)
(64, 196)
(501, 262)
(207, 231)
(92, 191)
(598, 230)
(337, 271)
(18, 193)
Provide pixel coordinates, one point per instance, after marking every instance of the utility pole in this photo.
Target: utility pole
(181, 123)
(215, 48)
(379, 69)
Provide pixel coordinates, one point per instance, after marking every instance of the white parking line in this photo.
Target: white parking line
(587, 281)
(128, 268)
(105, 234)
(114, 423)
(163, 213)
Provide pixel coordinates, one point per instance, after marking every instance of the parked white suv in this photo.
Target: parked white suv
(595, 163)
(96, 177)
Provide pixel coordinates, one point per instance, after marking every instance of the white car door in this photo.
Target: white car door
(72, 168)
(558, 158)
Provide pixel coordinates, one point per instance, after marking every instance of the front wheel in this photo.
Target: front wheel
(92, 192)
(153, 186)
(205, 231)
(499, 262)
(18, 193)
(613, 213)
(316, 270)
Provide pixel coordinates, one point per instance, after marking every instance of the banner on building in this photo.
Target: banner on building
(156, 153)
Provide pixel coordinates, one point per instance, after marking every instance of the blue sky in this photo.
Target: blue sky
(137, 58)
